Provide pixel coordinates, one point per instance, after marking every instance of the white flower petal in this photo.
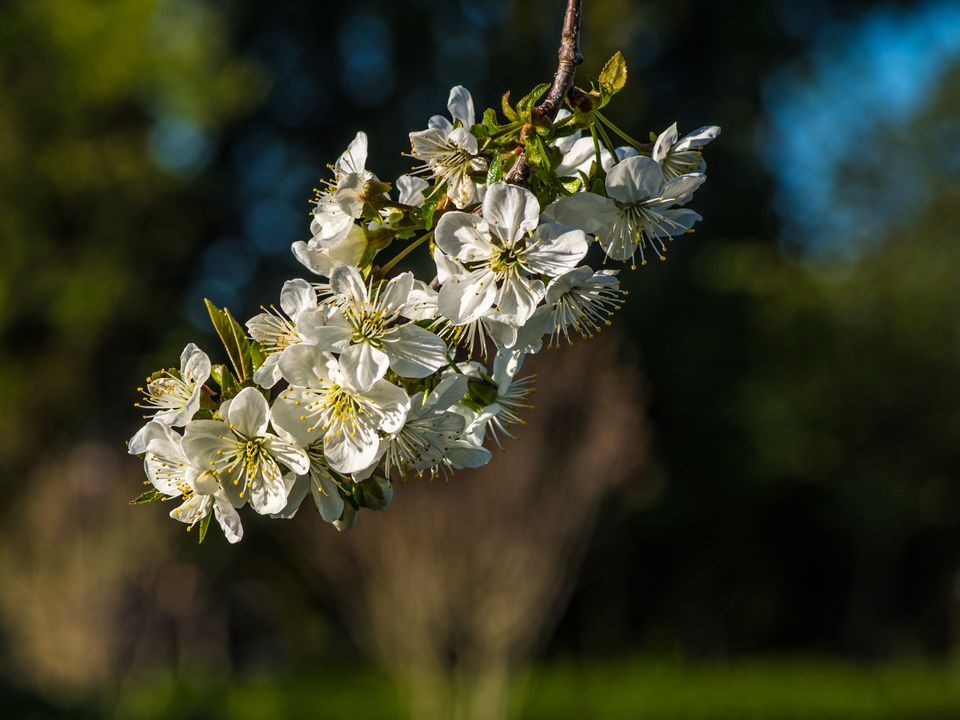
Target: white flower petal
(249, 413)
(460, 105)
(296, 297)
(634, 179)
(683, 186)
(697, 138)
(458, 235)
(203, 438)
(362, 365)
(304, 365)
(228, 518)
(464, 298)
(268, 494)
(289, 418)
(288, 453)
(354, 158)
(665, 141)
(555, 249)
(348, 452)
(348, 282)
(393, 404)
(510, 211)
(518, 298)
(590, 212)
(394, 295)
(194, 365)
(414, 352)
(327, 497)
(268, 374)
(411, 189)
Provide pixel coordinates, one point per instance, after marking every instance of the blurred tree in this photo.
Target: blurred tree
(455, 587)
(107, 115)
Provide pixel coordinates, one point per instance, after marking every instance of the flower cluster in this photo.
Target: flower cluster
(363, 375)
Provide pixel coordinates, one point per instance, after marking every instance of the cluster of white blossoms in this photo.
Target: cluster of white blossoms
(362, 376)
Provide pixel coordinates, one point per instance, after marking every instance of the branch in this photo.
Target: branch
(568, 58)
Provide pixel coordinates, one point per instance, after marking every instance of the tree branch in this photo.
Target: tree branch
(568, 58)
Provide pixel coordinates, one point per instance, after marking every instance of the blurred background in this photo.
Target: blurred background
(749, 508)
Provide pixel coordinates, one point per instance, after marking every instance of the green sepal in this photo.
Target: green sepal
(541, 155)
(379, 238)
(490, 121)
(573, 185)
(234, 339)
(613, 77)
(508, 112)
(149, 496)
(495, 171)
(374, 493)
(375, 188)
(427, 211)
(202, 526)
(481, 392)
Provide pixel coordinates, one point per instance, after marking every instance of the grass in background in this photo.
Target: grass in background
(632, 689)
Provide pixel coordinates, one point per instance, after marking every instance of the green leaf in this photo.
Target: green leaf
(525, 105)
(613, 77)
(427, 211)
(234, 339)
(508, 112)
(202, 526)
(495, 171)
(149, 496)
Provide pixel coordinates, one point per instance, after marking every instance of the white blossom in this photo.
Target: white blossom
(431, 428)
(581, 301)
(275, 330)
(341, 202)
(491, 330)
(171, 472)
(323, 256)
(449, 151)
(638, 213)
(411, 190)
(322, 399)
(683, 156)
(503, 253)
(174, 398)
(366, 327)
(243, 455)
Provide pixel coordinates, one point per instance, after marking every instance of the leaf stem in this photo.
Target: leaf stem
(642, 147)
(403, 253)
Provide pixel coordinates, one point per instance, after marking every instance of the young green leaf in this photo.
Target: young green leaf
(525, 105)
(613, 77)
(225, 380)
(495, 171)
(490, 121)
(508, 112)
(202, 526)
(149, 496)
(234, 339)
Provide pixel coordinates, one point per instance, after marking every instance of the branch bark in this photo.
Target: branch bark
(569, 58)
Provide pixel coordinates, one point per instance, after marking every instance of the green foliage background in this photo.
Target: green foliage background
(806, 407)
